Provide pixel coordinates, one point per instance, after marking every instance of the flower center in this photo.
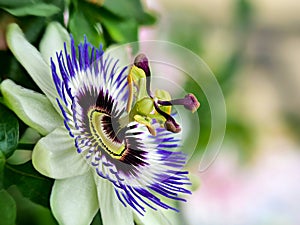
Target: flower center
(102, 130)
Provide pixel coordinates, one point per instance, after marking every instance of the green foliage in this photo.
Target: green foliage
(18, 3)
(9, 131)
(40, 9)
(29, 212)
(8, 208)
(113, 22)
(31, 184)
(97, 219)
(129, 9)
(84, 21)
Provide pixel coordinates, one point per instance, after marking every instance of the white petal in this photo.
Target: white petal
(112, 210)
(30, 136)
(19, 157)
(53, 41)
(33, 108)
(152, 217)
(32, 61)
(56, 156)
(74, 200)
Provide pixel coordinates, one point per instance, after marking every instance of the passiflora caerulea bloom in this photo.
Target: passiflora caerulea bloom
(116, 150)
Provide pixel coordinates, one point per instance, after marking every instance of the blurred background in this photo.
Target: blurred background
(253, 48)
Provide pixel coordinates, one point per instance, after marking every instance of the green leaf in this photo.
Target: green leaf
(18, 74)
(9, 131)
(33, 27)
(129, 9)
(40, 9)
(8, 209)
(31, 184)
(92, 29)
(114, 27)
(121, 31)
(17, 3)
(29, 212)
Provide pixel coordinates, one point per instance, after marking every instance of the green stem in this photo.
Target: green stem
(23, 173)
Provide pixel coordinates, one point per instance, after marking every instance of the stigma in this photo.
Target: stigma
(144, 105)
